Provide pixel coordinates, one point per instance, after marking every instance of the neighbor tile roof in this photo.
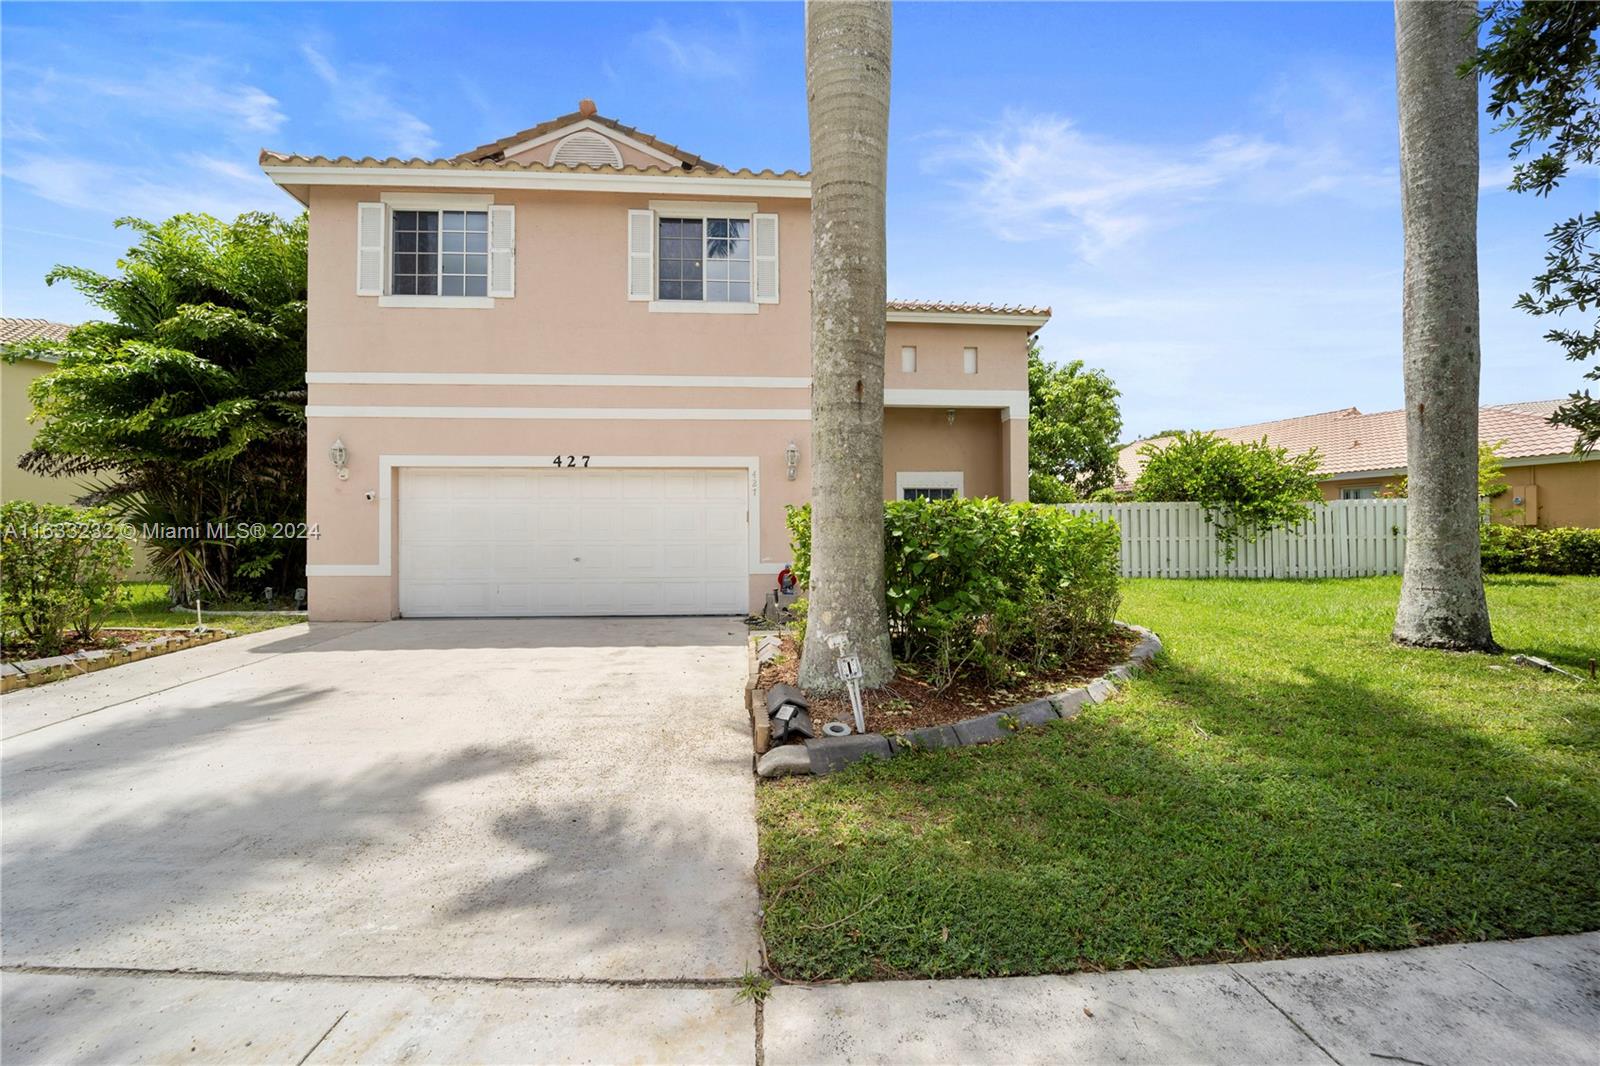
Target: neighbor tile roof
(1351, 442)
(17, 330)
(496, 149)
(942, 307)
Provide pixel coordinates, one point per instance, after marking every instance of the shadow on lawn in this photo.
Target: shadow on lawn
(1201, 816)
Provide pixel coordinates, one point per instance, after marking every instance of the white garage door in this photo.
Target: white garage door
(573, 541)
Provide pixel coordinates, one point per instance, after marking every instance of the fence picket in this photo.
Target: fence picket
(1345, 538)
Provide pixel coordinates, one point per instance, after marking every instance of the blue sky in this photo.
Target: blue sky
(1206, 194)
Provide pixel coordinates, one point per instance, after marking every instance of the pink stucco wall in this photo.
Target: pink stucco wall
(571, 315)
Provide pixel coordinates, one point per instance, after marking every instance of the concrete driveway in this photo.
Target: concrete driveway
(522, 801)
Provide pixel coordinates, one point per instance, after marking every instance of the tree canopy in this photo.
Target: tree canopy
(1073, 424)
(190, 402)
(1542, 62)
(1247, 488)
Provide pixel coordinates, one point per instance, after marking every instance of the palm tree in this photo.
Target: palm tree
(1441, 596)
(847, 80)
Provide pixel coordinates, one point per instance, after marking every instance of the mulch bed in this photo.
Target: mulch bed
(107, 638)
(909, 702)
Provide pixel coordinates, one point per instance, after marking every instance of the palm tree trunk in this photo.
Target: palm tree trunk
(847, 81)
(1441, 596)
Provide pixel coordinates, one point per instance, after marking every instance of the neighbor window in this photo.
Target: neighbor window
(909, 493)
(1365, 492)
(908, 359)
(440, 253)
(705, 259)
(969, 360)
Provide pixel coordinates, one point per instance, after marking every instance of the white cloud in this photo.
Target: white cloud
(191, 183)
(194, 91)
(695, 52)
(358, 95)
(1030, 175)
(1040, 176)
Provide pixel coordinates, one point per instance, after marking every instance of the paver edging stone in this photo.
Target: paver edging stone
(21, 675)
(827, 754)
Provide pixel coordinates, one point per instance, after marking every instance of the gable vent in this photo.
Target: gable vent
(586, 147)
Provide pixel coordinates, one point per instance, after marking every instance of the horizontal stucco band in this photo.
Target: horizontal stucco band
(658, 414)
(1013, 404)
(387, 464)
(683, 381)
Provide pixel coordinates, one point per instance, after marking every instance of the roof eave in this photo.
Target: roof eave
(970, 318)
(292, 176)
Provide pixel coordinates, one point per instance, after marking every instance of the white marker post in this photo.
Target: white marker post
(849, 668)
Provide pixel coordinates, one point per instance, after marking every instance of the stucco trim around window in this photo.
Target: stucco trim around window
(703, 307)
(928, 479)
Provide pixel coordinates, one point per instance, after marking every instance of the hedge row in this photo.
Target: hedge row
(1526, 550)
(998, 587)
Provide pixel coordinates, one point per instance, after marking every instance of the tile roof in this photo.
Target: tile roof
(285, 159)
(1351, 442)
(944, 307)
(496, 149)
(16, 330)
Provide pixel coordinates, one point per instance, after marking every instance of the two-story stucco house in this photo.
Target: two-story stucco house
(568, 373)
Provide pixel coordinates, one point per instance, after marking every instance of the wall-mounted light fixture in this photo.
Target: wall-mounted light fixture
(950, 417)
(338, 454)
(791, 458)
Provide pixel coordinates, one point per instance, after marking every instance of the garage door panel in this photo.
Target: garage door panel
(573, 541)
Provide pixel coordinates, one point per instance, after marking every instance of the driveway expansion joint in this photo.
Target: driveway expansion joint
(508, 980)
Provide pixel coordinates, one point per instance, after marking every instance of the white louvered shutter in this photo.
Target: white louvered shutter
(766, 259)
(371, 222)
(641, 255)
(502, 250)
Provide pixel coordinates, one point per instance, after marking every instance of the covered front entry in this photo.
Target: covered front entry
(573, 541)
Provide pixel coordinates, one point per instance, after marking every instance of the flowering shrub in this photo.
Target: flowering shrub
(999, 587)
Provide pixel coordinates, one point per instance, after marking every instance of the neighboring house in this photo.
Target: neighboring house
(568, 372)
(1549, 485)
(16, 432)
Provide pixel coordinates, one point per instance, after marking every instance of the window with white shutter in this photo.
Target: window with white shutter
(641, 254)
(766, 259)
(371, 226)
(502, 250)
(441, 250)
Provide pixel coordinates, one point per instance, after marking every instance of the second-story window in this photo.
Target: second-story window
(440, 253)
(705, 259)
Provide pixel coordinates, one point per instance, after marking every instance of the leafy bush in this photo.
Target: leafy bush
(1525, 550)
(190, 405)
(1247, 488)
(1000, 587)
(62, 573)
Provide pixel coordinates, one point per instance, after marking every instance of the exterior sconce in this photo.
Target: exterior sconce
(338, 454)
(950, 417)
(791, 458)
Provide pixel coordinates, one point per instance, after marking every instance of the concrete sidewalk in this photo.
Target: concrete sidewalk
(1528, 1001)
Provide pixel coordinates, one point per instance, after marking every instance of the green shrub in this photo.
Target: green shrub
(999, 587)
(62, 574)
(1525, 550)
(1247, 488)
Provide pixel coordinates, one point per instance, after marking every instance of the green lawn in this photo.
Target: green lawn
(147, 605)
(1286, 783)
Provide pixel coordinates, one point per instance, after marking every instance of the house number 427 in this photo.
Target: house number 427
(570, 461)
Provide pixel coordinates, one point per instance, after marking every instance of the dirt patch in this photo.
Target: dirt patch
(909, 702)
(106, 638)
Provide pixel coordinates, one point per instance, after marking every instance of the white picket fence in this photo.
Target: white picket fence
(1347, 538)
